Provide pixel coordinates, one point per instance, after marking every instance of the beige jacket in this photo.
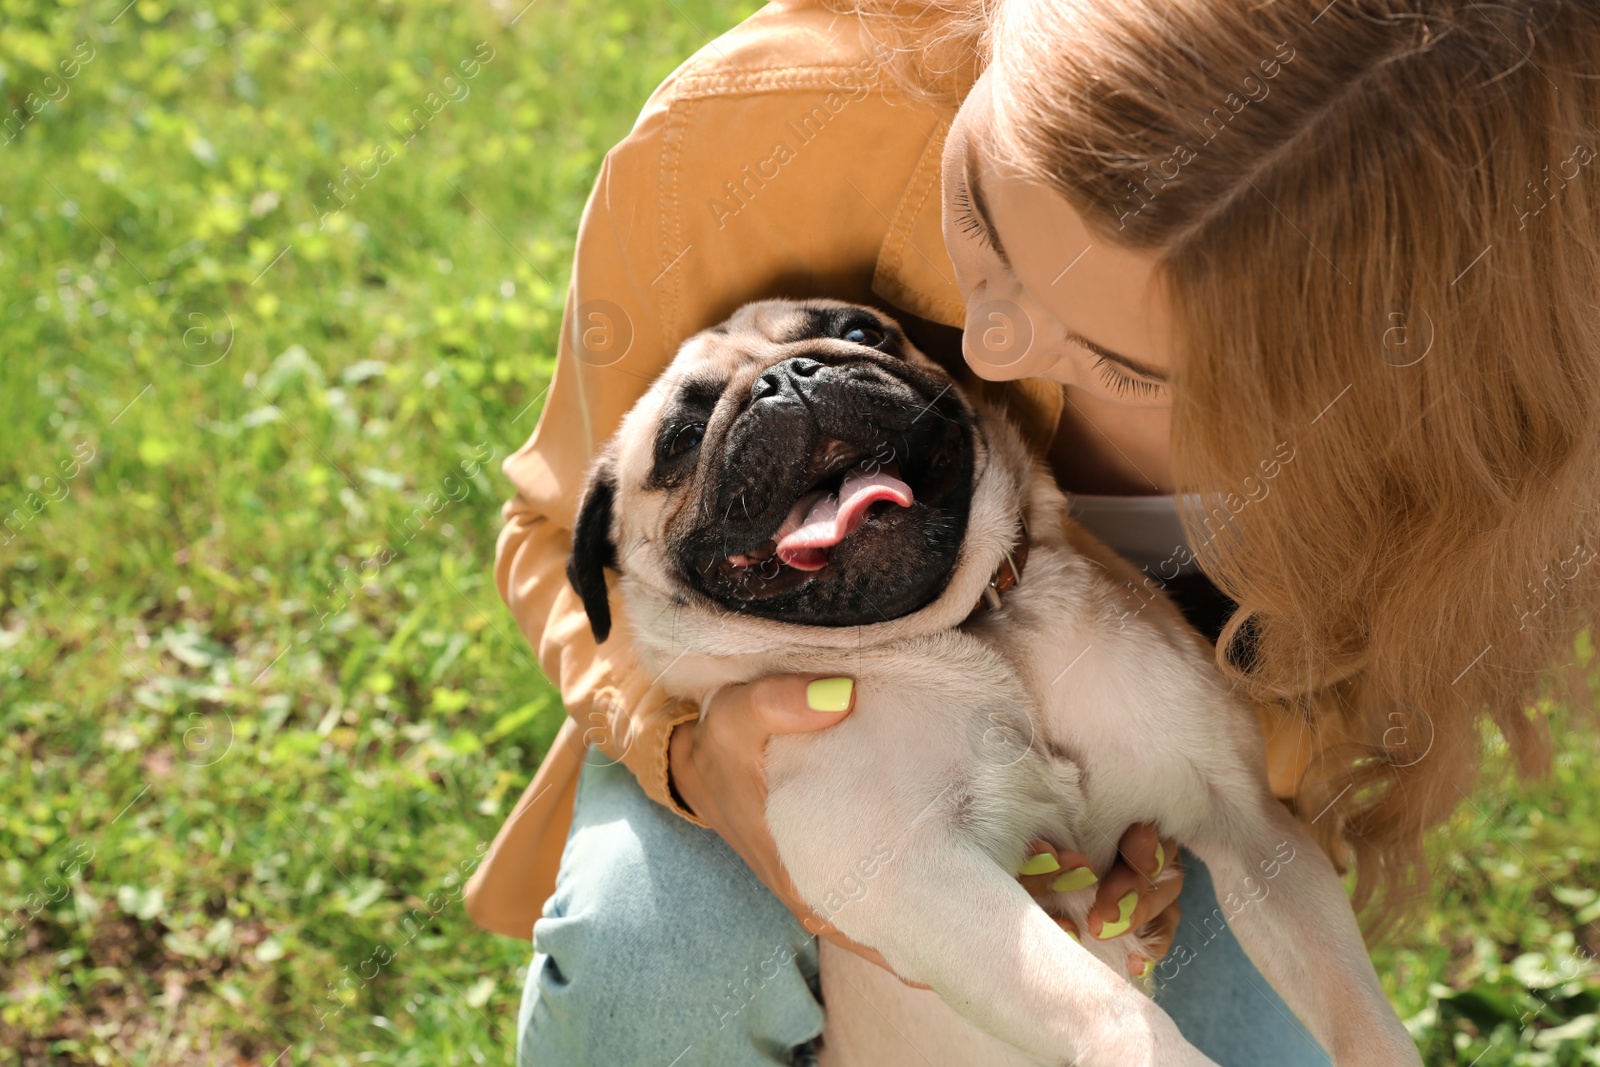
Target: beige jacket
(776, 161)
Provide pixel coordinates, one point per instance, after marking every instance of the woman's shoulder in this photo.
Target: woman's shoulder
(782, 159)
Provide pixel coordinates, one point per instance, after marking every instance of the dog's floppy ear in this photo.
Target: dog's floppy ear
(592, 548)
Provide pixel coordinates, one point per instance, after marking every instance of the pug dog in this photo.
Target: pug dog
(802, 491)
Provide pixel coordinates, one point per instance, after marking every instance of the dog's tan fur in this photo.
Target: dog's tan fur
(1057, 715)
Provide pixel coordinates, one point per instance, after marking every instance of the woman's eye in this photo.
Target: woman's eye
(870, 336)
(686, 439)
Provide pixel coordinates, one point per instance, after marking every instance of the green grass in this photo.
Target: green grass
(243, 770)
(1503, 965)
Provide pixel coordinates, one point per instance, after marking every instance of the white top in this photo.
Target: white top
(1143, 529)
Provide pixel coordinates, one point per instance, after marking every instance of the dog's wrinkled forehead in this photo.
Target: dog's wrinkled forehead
(708, 382)
(765, 332)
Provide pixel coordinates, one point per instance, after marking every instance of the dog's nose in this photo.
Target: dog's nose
(786, 377)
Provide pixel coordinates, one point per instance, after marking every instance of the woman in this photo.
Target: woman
(1332, 264)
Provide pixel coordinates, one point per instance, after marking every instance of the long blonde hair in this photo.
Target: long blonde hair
(1379, 225)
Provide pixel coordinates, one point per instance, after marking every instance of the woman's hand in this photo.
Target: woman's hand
(1130, 896)
(718, 766)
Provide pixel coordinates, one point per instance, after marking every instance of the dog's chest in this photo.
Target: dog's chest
(1110, 699)
(943, 731)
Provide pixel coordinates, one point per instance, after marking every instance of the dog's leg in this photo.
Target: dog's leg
(875, 1021)
(1290, 914)
(945, 914)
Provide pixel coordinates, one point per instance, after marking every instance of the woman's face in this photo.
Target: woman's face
(1044, 298)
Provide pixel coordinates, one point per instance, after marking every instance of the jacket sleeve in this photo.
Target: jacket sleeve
(744, 178)
(606, 692)
(611, 346)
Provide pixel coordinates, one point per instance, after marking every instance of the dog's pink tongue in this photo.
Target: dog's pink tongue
(832, 519)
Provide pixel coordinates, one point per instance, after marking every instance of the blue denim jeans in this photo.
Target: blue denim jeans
(660, 947)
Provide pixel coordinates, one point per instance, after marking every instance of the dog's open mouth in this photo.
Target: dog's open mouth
(846, 488)
(822, 519)
(841, 495)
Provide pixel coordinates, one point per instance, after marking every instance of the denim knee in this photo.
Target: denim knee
(659, 945)
(1221, 1003)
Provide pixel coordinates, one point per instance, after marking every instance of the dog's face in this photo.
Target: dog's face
(801, 462)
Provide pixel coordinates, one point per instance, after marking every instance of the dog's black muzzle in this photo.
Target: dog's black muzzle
(806, 424)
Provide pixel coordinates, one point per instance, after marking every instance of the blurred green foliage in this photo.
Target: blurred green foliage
(281, 284)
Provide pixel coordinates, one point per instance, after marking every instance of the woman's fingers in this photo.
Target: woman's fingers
(1146, 879)
(1142, 850)
(786, 703)
(1148, 872)
(1070, 927)
(1159, 932)
(1048, 869)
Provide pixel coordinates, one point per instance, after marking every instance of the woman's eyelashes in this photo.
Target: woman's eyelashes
(1124, 384)
(966, 218)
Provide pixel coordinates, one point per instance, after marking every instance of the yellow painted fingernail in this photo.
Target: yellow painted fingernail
(1080, 878)
(1074, 935)
(1042, 863)
(1161, 857)
(1125, 907)
(830, 694)
(1149, 965)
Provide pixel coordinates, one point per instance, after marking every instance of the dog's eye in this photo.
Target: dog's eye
(686, 439)
(870, 336)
